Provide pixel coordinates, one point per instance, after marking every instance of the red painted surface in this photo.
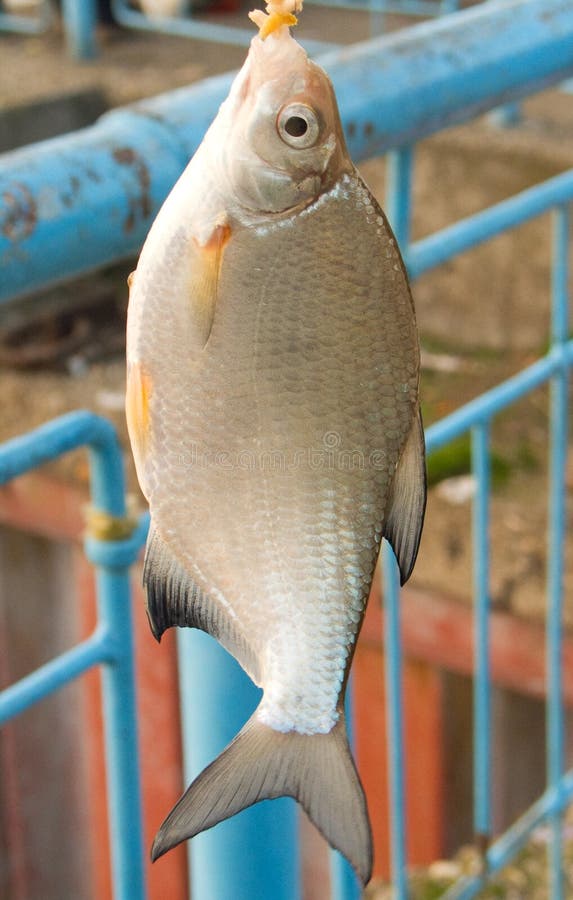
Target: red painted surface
(43, 506)
(439, 630)
(18, 881)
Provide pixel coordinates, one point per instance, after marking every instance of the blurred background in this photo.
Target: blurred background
(483, 316)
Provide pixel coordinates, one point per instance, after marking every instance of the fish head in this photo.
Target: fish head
(284, 143)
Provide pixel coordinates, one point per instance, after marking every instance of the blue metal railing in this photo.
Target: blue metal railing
(108, 181)
(391, 91)
(111, 644)
(37, 23)
(554, 195)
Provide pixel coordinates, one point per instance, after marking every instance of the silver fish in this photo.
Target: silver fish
(273, 411)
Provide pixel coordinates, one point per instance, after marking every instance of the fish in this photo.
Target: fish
(273, 411)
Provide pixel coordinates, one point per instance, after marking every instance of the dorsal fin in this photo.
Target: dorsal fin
(173, 598)
(403, 527)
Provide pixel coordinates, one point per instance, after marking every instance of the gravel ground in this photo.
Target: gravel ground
(527, 878)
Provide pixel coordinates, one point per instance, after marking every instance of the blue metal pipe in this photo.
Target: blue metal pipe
(399, 166)
(254, 854)
(99, 188)
(482, 680)
(62, 435)
(80, 18)
(120, 734)
(395, 723)
(343, 882)
(118, 554)
(55, 674)
(421, 8)
(499, 397)
(559, 434)
(80, 201)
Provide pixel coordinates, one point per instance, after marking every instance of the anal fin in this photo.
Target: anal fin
(173, 599)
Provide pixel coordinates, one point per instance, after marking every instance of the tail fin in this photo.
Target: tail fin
(261, 763)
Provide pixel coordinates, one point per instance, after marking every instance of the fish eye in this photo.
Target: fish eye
(298, 125)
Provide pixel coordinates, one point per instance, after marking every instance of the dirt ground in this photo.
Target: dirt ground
(482, 317)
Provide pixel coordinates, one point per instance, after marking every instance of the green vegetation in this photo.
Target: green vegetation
(455, 459)
(526, 878)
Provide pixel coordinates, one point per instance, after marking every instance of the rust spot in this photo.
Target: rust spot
(368, 129)
(70, 196)
(129, 223)
(20, 214)
(351, 129)
(139, 205)
(125, 156)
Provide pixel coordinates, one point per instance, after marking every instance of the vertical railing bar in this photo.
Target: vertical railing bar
(556, 538)
(113, 591)
(221, 858)
(185, 670)
(112, 560)
(560, 276)
(399, 167)
(395, 723)
(378, 10)
(343, 882)
(482, 684)
(80, 18)
(120, 734)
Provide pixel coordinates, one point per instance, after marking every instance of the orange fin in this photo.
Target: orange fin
(137, 414)
(204, 280)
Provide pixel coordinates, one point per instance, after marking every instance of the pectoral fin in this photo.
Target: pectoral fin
(138, 392)
(403, 528)
(204, 276)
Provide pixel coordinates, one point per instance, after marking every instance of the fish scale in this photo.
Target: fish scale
(250, 419)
